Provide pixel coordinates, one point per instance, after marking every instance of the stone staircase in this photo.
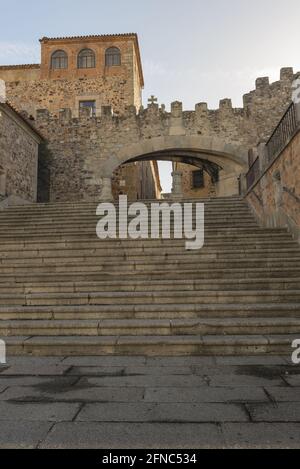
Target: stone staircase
(65, 292)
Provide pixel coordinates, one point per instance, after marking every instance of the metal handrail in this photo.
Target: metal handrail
(282, 133)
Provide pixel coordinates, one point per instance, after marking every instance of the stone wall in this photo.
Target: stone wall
(18, 156)
(15, 73)
(58, 94)
(275, 198)
(85, 149)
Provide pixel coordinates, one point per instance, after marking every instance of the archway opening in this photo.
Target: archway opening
(192, 174)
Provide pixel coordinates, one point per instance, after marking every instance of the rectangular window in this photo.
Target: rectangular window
(89, 105)
(198, 179)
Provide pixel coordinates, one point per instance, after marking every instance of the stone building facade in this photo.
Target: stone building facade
(196, 182)
(137, 180)
(19, 144)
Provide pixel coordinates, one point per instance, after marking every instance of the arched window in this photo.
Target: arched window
(59, 59)
(86, 59)
(112, 57)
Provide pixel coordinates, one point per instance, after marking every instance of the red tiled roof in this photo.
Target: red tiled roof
(90, 36)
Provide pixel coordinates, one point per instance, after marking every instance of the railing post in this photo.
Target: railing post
(263, 156)
(243, 184)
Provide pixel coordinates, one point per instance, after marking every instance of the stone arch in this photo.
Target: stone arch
(224, 154)
(230, 159)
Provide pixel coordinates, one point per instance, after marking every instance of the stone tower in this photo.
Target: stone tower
(75, 72)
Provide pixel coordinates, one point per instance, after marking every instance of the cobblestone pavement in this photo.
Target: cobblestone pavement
(142, 402)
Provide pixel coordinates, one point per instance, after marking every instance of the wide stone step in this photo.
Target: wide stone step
(101, 254)
(151, 345)
(127, 262)
(65, 223)
(91, 205)
(56, 211)
(228, 234)
(82, 236)
(151, 311)
(65, 286)
(91, 220)
(154, 297)
(8, 248)
(82, 275)
(72, 231)
(146, 327)
(85, 205)
(142, 267)
(91, 215)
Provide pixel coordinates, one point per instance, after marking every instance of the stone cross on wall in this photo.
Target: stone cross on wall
(152, 99)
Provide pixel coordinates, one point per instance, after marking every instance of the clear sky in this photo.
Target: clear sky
(192, 50)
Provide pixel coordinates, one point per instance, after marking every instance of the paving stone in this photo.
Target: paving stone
(96, 371)
(33, 361)
(36, 370)
(95, 394)
(289, 360)
(146, 380)
(206, 370)
(260, 371)
(243, 380)
(52, 412)
(284, 394)
(145, 412)
(22, 435)
(180, 361)
(254, 360)
(262, 435)
(158, 370)
(293, 380)
(278, 412)
(209, 394)
(105, 361)
(133, 436)
(46, 382)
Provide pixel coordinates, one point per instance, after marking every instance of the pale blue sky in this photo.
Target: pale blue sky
(192, 50)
